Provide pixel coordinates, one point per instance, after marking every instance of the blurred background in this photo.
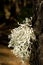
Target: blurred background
(12, 11)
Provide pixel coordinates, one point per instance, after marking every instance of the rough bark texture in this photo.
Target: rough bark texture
(38, 27)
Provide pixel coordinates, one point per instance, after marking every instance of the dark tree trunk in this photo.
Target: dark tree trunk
(37, 54)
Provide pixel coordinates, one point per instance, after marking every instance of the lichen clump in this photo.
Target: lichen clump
(20, 39)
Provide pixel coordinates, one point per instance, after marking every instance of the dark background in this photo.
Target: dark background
(19, 9)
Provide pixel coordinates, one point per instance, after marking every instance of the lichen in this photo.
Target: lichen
(20, 39)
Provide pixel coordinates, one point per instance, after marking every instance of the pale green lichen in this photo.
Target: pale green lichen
(20, 39)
